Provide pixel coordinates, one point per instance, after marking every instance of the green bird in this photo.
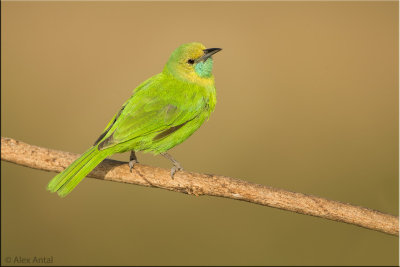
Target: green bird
(162, 112)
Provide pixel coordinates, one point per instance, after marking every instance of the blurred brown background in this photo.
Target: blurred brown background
(307, 101)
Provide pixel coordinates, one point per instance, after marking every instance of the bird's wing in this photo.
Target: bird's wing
(110, 125)
(147, 111)
(112, 122)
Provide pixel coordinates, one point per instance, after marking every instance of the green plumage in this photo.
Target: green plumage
(162, 112)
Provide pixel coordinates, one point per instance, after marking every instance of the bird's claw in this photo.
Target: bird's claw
(174, 169)
(132, 163)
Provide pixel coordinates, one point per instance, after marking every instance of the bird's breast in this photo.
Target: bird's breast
(203, 98)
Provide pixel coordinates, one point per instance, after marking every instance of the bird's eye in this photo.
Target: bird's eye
(190, 61)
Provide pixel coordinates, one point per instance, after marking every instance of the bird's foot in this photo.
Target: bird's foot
(177, 166)
(174, 169)
(132, 160)
(132, 163)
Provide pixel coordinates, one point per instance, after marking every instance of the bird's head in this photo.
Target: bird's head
(191, 62)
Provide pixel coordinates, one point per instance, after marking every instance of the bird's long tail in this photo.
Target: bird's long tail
(64, 182)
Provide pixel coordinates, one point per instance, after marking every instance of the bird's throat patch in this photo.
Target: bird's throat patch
(204, 69)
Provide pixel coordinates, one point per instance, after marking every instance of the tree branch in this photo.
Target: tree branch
(201, 184)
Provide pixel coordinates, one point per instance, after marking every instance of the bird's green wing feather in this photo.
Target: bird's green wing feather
(109, 125)
(150, 110)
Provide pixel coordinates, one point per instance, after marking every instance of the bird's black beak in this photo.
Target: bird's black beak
(208, 53)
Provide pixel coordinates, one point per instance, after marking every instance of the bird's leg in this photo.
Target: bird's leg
(177, 165)
(132, 160)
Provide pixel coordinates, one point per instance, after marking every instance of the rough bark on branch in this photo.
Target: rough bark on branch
(202, 184)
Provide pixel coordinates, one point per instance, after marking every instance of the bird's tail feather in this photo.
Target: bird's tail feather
(64, 182)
